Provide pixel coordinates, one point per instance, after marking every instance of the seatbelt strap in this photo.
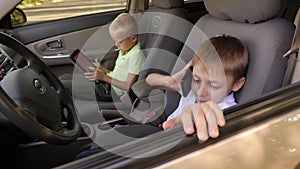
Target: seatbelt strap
(292, 54)
(137, 6)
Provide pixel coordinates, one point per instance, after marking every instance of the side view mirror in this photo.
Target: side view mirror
(18, 17)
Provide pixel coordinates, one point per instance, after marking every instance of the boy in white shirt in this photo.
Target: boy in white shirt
(219, 69)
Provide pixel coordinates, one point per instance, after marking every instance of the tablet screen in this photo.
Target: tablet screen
(81, 60)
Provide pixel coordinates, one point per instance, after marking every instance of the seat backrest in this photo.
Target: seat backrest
(163, 30)
(159, 40)
(252, 21)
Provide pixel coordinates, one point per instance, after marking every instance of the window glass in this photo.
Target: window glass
(189, 1)
(185, 1)
(47, 10)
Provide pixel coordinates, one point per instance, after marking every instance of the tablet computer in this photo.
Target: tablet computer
(81, 60)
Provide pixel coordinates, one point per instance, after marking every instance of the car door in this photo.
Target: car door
(54, 29)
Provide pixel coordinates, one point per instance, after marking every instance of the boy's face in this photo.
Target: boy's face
(124, 43)
(213, 86)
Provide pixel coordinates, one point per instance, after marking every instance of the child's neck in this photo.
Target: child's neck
(124, 52)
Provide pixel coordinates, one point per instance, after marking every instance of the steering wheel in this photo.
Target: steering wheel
(35, 100)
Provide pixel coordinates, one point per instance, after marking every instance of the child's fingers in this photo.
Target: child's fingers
(187, 120)
(91, 69)
(219, 115)
(96, 62)
(169, 124)
(211, 119)
(188, 65)
(89, 75)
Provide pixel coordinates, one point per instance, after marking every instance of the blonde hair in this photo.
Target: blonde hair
(223, 51)
(124, 24)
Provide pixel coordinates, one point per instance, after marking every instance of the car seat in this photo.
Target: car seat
(254, 22)
(161, 45)
(156, 25)
(266, 36)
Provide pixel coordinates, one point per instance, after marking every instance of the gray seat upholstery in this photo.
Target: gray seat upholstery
(160, 42)
(255, 23)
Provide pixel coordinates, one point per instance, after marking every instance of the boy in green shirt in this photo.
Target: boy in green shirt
(123, 31)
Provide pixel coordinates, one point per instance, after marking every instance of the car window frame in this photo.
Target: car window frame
(259, 110)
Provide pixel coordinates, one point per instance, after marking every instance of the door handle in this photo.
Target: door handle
(55, 45)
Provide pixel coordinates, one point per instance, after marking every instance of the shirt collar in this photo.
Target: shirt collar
(227, 102)
(131, 50)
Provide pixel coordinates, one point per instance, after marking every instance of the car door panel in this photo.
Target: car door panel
(54, 46)
(69, 42)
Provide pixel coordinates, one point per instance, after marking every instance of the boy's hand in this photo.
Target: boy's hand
(99, 66)
(179, 75)
(96, 63)
(96, 73)
(205, 116)
(90, 75)
(99, 74)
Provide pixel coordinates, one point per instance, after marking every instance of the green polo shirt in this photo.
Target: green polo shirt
(131, 62)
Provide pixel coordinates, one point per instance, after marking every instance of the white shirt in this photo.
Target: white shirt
(191, 99)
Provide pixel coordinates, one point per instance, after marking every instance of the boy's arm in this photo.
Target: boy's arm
(98, 74)
(206, 117)
(105, 70)
(168, 82)
(162, 81)
(124, 85)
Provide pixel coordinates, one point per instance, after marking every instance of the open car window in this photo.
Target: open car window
(46, 10)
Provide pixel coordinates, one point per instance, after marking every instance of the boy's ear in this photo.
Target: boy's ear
(134, 38)
(238, 84)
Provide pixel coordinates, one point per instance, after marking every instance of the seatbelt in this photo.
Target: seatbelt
(137, 6)
(292, 54)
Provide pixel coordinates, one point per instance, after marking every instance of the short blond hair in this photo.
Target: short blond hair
(228, 51)
(124, 24)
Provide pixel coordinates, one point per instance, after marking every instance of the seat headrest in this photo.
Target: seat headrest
(168, 3)
(245, 11)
